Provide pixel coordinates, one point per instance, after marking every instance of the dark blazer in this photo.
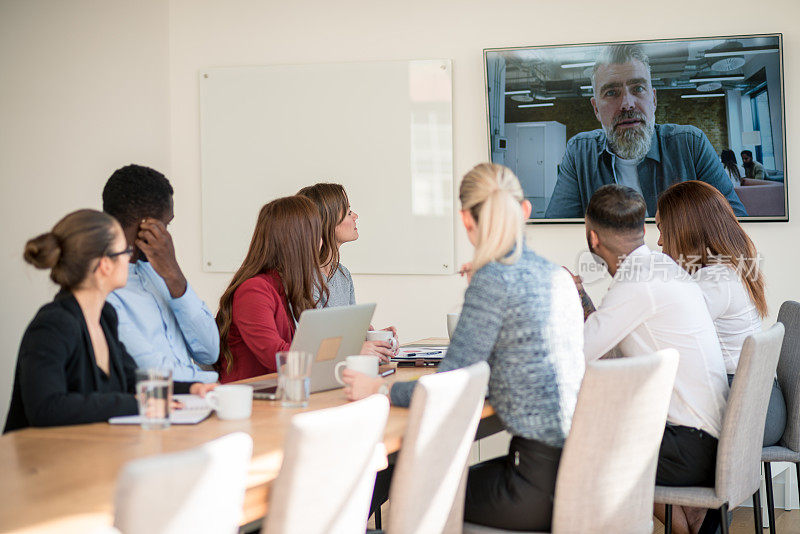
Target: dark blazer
(57, 381)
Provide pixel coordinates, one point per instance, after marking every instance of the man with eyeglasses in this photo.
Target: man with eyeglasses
(162, 322)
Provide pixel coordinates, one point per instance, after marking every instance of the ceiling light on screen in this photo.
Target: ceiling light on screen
(708, 87)
(742, 51)
(703, 96)
(535, 105)
(521, 92)
(522, 98)
(717, 79)
(577, 65)
(728, 64)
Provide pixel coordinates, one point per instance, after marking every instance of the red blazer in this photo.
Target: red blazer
(260, 327)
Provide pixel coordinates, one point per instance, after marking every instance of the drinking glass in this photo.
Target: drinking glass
(154, 392)
(294, 377)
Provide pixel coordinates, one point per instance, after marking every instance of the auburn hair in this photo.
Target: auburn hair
(286, 240)
(696, 221)
(333, 204)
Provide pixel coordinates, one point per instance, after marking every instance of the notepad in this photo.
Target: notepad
(195, 409)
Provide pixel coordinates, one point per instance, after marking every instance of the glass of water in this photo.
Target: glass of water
(294, 377)
(154, 392)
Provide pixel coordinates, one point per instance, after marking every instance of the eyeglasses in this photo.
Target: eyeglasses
(128, 251)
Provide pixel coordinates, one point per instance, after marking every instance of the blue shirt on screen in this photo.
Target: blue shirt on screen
(165, 332)
(677, 153)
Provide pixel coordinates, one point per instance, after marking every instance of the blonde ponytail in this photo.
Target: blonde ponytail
(493, 196)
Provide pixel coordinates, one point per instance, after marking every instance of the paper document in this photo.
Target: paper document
(195, 409)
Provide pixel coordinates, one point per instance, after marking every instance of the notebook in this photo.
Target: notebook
(195, 409)
(427, 353)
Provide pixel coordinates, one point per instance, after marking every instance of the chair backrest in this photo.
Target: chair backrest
(328, 471)
(606, 477)
(444, 414)
(200, 490)
(739, 451)
(789, 371)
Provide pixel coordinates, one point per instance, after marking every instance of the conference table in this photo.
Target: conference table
(62, 479)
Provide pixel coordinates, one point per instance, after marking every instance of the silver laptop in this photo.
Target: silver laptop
(331, 334)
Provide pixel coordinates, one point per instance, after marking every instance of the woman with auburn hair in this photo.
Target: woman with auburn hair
(700, 232)
(72, 368)
(339, 227)
(522, 316)
(277, 282)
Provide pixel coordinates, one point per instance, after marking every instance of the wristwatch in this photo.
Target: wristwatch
(384, 389)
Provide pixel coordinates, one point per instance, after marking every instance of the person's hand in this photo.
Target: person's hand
(381, 349)
(154, 240)
(359, 386)
(575, 278)
(391, 329)
(198, 388)
(466, 270)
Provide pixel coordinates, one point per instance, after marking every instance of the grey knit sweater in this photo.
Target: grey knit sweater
(526, 321)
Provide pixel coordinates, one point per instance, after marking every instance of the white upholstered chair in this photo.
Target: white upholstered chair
(328, 471)
(197, 491)
(444, 414)
(606, 476)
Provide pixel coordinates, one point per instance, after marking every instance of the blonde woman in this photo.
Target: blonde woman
(522, 316)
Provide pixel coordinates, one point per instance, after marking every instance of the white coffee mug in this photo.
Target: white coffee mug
(383, 335)
(452, 321)
(233, 401)
(362, 363)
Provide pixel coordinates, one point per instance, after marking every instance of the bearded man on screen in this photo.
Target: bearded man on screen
(631, 149)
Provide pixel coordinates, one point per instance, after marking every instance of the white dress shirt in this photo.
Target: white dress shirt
(733, 312)
(653, 304)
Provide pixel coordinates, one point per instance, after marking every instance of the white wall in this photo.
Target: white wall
(85, 90)
(65, 144)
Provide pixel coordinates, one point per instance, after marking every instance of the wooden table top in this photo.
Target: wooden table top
(63, 479)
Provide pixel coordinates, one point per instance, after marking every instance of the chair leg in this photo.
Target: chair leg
(667, 519)
(378, 522)
(757, 512)
(770, 499)
(723, 511)
(797, 466)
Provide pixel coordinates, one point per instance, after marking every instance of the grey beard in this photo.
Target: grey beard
(630, 143)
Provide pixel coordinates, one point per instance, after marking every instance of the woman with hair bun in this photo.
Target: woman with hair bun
(522, 316)
(72, 368)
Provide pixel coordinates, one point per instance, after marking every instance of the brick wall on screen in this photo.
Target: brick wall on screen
(576, 114)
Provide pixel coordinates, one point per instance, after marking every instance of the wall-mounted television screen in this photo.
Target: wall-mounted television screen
(568, 119)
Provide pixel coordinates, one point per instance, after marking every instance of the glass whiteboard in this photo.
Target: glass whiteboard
(382, 129)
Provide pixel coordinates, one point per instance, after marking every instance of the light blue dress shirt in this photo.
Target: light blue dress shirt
(161, 331)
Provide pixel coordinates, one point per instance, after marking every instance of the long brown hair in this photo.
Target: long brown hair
(332, 203)
(71, 247)
(697, 222)
(286, 239)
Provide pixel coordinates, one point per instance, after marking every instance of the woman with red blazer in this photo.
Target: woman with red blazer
(259, 311)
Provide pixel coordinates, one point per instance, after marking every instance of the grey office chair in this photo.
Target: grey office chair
(738, 475)
(789, 381)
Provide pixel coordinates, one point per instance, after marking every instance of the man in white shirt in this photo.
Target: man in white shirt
(653, 304)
